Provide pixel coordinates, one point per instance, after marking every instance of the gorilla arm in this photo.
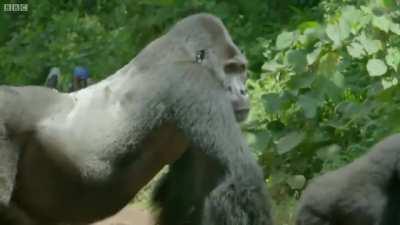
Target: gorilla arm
(8, 153)
(239, 196)
(8, 165)
(19, 111)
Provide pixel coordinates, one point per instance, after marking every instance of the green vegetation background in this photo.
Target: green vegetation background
(323, 73)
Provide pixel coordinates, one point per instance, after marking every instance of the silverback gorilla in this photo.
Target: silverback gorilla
(365, 192)
(79, 157)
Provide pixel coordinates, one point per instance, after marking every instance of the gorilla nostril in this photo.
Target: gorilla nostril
(234, 67)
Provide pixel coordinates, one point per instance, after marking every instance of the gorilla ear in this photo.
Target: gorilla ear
(200, 56)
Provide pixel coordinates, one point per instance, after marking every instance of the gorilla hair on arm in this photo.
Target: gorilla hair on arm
(179, 208)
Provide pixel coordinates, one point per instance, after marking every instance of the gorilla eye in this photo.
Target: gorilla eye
(200, 56)
(230, 88)
(242, 50)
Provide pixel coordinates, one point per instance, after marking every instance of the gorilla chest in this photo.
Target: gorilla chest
(56, 189)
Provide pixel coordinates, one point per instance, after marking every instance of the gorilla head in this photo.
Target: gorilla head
(203, 39)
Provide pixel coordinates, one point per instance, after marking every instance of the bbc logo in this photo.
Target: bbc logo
(15, 7)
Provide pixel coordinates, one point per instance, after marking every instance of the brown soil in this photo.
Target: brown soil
(130, 215)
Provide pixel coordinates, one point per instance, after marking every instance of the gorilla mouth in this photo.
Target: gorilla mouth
(241, 114)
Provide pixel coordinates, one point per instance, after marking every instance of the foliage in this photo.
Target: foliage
(328, 91)
(323, 73)
(104, 35)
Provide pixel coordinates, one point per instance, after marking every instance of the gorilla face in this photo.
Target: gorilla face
(214, 48)
(236, 78)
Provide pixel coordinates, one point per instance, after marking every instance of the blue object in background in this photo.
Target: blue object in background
(81, 72)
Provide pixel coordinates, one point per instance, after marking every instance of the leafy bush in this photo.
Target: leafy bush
(103, 35)
(328, 90)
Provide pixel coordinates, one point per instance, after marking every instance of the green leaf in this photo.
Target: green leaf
(395, 28)
(307, 25)
(299, 81)
(335, 33)
(350, 109)
(284, 40)
(388, 3)
(309, 104)
(354, 17)
(366, 9)
(329, 152)
(350, 13)
(338, 79)
(393, 58)
(328, 63)
(376, 67)
(344, 29)
(311, 35)
(383, 23)
(296, 182)
(325, 87)
(371, 46)
(296, 59)
(273, 102)
(389, 82)
(290, 141)
(356, 50)
(313, 56)
(272, 66)
(259, 140)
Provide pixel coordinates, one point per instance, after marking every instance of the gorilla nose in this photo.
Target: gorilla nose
(234, 67)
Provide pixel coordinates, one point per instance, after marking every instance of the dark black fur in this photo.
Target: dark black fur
(365, 192)
(195, 186)
(181, 192)
(10, 215)
(391, 214)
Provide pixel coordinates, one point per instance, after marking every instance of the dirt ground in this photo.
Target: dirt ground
(136, 213)
(130, 215)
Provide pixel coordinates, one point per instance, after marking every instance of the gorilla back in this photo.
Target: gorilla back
(80, 157)
(365, 192)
